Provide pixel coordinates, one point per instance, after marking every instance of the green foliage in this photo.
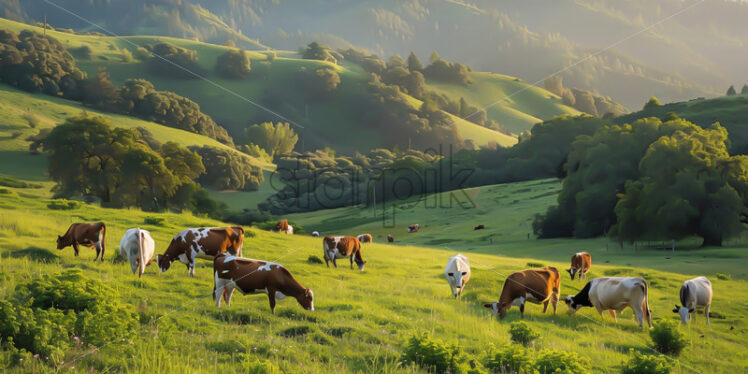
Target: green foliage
(533, 264)
(254, 365)
(126, 55)
(414, 64)
(275, 139)
(63, 204)
(522, 333)
(8, 181)
(731, 91)
(744, 90)
(667, 339)
(228, 170)
(173, 61)
(510, 359)
(645, 364)
(433, 355)
(652, 103)
(314, 260)
(316, 51)
(233, 64)
(450, 72)
(723, 276)
(561, 362)
(142, 54)
(155, 221)
(37, 63)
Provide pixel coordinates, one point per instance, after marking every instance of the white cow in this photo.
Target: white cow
(614, 294)
(138, 246)
(695, 293)
(289, 230)
(457, 273)
(315, 234)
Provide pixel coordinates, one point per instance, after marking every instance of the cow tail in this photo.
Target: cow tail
(102, 232)
(647, 311)
(141, 252)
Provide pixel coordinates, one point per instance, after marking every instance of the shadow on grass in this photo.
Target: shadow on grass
(35, 254)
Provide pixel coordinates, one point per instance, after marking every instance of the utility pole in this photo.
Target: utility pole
(45, 24)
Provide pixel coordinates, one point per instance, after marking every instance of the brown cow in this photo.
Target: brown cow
(414, 228)
(283, 226)
(336, 247)
(203, 242)
(390, 239)
(89, 234)
(534, 285)
(254, 276)
(365, 238)
(580, 262)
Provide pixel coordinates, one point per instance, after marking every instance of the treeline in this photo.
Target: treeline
(583, 100)
(124, 167)
(37, 63)
(653, 179)
(321, 180)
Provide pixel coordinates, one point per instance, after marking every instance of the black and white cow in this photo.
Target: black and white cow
(695, 293)
(614, 294)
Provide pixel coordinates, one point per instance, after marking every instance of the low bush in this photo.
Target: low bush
(666, 338)
(535, 265)
(522, 333)
(313, 260)
(433, 355)
(63, 204)
(155, 221)
(723, 276)
(7, 181)
(645, 364)
(254, 365)
(561, 362)
(511, 359)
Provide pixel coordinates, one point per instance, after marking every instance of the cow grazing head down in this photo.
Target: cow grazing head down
(307, 302)
(685, 313)
(61, 242)
(572, 304)
(164, 262)
(572, 271)
(498, 308)
(457, 276)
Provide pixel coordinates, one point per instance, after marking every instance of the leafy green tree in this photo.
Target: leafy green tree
(731, 91)
(744, 90)
(227, 169)
(317, 51)
(414, 64)
(101, 93)
(234, 64)
(171, 60)
(434, 57)
(652, 103)
(276, 139)
(396, 62)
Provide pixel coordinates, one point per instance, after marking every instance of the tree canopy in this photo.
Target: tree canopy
(275, 139)
(233, 64)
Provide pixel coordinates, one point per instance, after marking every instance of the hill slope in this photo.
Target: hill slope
(362, 319)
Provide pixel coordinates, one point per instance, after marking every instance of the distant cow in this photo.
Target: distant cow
(390, 239)
(414, 228)
(283, 226)
(203, 242)
(695, 293)
(614, 294)
(336, 247)
(315, 234)
(580, 262)
(457, 273)
(253, 277)
(365, 238)
(479, 227)
(89, 234)
(138, 246)
(534, 285)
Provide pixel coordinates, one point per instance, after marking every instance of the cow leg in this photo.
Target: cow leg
(75, 248)
(191, 269)
(545, 305)
(327, 262)
(554, 298)
(351, 262)
(103, 248)
(271, 299)
(706, 313)
(227, 293)
(334, 263)
(217, 293)
(98, 250)
(522, 310)
(613, 314)
(454, 290)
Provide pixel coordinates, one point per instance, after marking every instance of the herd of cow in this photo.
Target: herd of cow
(231, 271)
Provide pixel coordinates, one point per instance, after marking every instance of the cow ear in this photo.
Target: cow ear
(675, 310)
(691, 310)
(488, 305)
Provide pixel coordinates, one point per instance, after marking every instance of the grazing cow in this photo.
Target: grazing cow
(365, 238)
(479, 227)
(255, 276)
(315, 234)
(580, 262)
(414, 228)
(283, 226)
(390, 239)
(89, 234)
(336, 247)
(695, 293)
(203, 242)
(534, 285)
(457, 273)
(614, 294)
(138, 246)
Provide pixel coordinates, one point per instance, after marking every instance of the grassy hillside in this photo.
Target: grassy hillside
(323, 121)
(507, 210)
(362, 320)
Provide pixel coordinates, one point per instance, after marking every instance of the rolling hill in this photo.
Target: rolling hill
(229, 102)
(363, 320)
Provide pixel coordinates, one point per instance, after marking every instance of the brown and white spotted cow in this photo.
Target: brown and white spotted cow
(336, 247)
(253, 277)
(283, 226)
(390, 238)
(365, 238)
(414, 228)
(538, 286)
(89, 234)
(203, 242)
(580, 262)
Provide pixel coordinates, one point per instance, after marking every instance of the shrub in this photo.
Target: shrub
(313, 260)
(645, 364)
(522, 333)
(561, 362)
(233, 64)
(63, 204)
(433, 355)
(85, 51)
(254, 365)
(155, 221)
(142, 54)
(511, 359)
(666, 338)
(295, 331)
(535, 264)
(723, 276)
(5, 191)
(7, 181)
(126, 55)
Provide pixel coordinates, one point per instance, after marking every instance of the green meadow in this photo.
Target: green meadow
(362, 319)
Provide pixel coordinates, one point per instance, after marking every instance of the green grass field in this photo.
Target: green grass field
(362, 319)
